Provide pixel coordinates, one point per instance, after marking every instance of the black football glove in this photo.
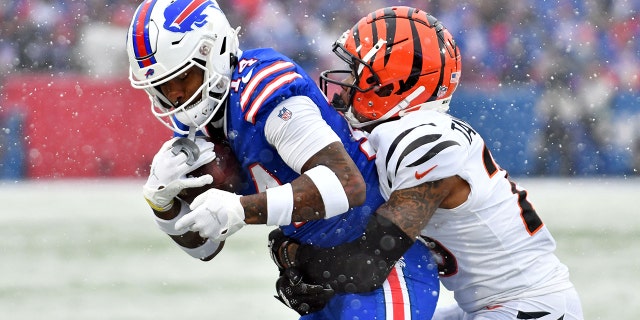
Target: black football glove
(302, 297)
(278, 245)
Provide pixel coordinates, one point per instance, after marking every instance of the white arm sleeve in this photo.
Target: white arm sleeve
(296, 129)
(169, 227)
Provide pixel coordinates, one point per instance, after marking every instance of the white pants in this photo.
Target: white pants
(559, 305)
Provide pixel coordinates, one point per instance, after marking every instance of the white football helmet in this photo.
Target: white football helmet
(166, 38)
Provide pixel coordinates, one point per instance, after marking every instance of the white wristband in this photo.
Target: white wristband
(333, 194)
(279, 205)
(169, 226)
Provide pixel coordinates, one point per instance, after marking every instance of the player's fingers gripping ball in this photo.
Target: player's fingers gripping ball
(168, 172)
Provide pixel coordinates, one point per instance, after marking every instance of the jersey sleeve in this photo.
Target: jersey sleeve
(297, 130)
(267, 84)
(437, 160)
(411, 154)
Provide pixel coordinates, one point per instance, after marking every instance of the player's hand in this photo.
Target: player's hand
(282, 249)
(168, 173)
(302, 297)
(215, 214)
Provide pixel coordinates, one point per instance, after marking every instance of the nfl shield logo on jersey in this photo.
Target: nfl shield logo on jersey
(285, 114)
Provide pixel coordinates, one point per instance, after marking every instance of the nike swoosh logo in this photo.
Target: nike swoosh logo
(247, 76)
(420, 175)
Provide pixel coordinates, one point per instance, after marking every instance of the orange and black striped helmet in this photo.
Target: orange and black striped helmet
(401, 59)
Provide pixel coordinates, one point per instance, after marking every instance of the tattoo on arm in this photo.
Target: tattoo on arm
(307, 201)
(411, 208)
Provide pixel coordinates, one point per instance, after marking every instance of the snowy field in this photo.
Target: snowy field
(90, 250)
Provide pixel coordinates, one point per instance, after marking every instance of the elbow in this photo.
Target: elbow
(356, 189)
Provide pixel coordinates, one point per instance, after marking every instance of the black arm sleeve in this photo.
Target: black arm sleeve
(358, 266)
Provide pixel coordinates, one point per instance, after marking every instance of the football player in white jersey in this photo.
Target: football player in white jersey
(440, 182)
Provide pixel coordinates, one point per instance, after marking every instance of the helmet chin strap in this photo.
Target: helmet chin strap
(192, 133)
(188, 146)
(371, 53)
(400, 109)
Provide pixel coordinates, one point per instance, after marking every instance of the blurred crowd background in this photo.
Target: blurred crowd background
(552, 84)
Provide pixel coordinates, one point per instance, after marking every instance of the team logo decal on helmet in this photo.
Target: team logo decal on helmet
(140, 35)
(182, 15)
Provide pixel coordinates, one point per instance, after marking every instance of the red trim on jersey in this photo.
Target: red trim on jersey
(253, 178)
(257, 78)
(397, 298)
(267, 91)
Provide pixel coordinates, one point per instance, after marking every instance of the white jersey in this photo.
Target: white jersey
(493, 248)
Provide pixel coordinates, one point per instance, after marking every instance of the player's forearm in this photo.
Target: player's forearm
(307, 203)
(411, 209)
(358, 266)
(330, 185)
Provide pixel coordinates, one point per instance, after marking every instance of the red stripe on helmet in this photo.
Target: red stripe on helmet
(189, 10)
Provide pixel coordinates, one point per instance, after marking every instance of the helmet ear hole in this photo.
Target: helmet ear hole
(371, 80)
(223, 47)
(200, 62)
(385, 91)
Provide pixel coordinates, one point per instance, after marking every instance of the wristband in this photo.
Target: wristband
(333, 194)
(279, 205)
(159, 209)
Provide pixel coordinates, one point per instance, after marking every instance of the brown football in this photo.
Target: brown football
(225, 170)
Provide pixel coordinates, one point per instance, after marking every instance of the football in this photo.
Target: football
(225, 170)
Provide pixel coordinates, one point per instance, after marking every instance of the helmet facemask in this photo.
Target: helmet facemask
(351, 79)
(361, 78)
(199, 109)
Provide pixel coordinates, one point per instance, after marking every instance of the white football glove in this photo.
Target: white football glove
(216, 214)
(168, 174)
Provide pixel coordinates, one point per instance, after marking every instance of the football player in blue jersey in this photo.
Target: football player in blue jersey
(309, 171)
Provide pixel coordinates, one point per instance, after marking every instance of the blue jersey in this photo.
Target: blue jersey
(263, 79)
